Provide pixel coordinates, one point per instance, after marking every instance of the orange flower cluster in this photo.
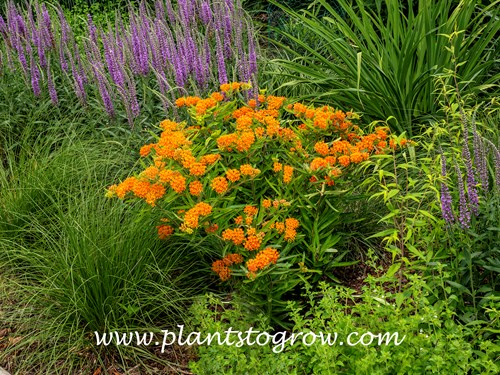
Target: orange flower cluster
(248, 170)
(321, 138)
(233, 175)
(263, 259)
(221, 267)
(191, 217)
(146, 190)
(237, 236)
(287, 174)
(234, 86)
(219, 184)
(164, 231)
(322, 118)
(251, 240)
(195, 188)
(288, 228)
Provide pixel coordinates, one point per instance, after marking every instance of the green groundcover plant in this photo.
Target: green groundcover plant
(430, 340)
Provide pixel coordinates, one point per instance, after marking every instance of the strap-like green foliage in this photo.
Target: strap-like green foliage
(383, 61)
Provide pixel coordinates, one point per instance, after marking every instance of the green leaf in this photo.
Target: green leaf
(393, 269)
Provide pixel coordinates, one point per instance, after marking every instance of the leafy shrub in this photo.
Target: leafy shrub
(269, 181)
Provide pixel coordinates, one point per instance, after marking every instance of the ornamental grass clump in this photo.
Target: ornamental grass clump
(172, 50)
(260, 176)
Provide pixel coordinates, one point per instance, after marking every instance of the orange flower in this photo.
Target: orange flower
(212, 228)
(287, 174)
(210, 158)
(181, 102)
(202, 209)
(217, 96)
(192, 101)
(280, 227)
(331, 160)
(318, 163)
(237, 236)
(344, 160)
(292, 223)
(252, 242)
(233, 175)
(203, 105)
(220, 185)
(168, 125)
(197, 169)
(266, 203)
(245, 141)
(248, 170)
(226, 141)
(150, 173)
(192, 215)
(260, 131)
(262, 260)
(321, 148)
(178, 183)
(164, 231)
(275, 102)
(357, 157)
(243, 123)
(231, 259)
(277, 166)
(196, 188)
(146, 149)
(221, 269)
(165, 175)
(250, 210)
(156, 191)
(238, 220)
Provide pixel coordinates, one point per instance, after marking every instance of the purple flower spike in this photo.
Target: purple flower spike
(463, 209)
(471, 181)
(480, 160)
(35, 77)
(47, 28)
(205, 13)
(220, 61)
(52, 89)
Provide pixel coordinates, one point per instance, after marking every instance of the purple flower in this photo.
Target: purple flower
(47, 28)
(480, 157)
(160, 10)
(471, 181)
(102, 84)
(463, 209)
(22, 59)
(221, 66)
(252, 55)
(35, 77)
(205, 13)
(3, 27)
(52, 90)
(170, 12)
(78, 81)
